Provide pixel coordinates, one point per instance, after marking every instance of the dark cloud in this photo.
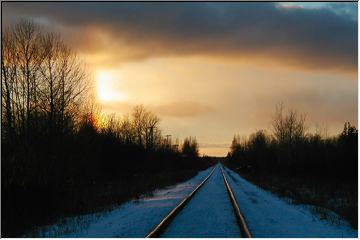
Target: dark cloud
(312, 38)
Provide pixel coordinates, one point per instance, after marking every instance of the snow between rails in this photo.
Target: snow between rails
(208, 214)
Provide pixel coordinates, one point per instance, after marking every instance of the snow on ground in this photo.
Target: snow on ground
(270, 216)
(135, 218)
(208, 214)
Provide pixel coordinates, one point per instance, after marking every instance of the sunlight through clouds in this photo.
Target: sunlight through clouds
(221, 69)
(107, 87)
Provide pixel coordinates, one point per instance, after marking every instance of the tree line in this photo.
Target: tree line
(291, 148)
(54, 137)
(47, 104)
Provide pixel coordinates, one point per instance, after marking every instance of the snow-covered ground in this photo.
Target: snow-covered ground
(270, 216)
(208, 214)
(135, 218)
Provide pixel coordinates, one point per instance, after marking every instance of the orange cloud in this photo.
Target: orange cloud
(182, 109)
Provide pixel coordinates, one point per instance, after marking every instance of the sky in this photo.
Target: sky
(212, 70)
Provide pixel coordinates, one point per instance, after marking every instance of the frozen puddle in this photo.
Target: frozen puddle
(208, 214)
(135, 218)
(270, 216)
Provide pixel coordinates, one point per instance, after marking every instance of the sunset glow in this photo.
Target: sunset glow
(210, 79)
(112, 107)
(105, 88)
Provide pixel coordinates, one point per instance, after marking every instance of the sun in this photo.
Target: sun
(107, 87)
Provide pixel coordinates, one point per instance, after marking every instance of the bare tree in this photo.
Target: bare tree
(139, 125)
(290, 127)
(26, 36)
(63, 82)
(289, 131)
(21, 58)
(127, 130)
(190, 147)
(8, 74)
(151, 122)
(40, 76)
(145, 124)
(235, 144)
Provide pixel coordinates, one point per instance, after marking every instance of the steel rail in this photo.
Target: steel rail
(156, 232)
(239, 217)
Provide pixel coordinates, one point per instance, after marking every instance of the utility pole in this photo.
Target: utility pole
(150, 138)
(168, 139)
(176, 145)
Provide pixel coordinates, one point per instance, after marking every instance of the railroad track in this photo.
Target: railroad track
(160, 228)
(239, 217)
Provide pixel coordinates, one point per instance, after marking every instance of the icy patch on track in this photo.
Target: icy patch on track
(135, 218)
(269, 216)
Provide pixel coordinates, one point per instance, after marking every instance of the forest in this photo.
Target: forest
(313, 168)
(58, 149)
